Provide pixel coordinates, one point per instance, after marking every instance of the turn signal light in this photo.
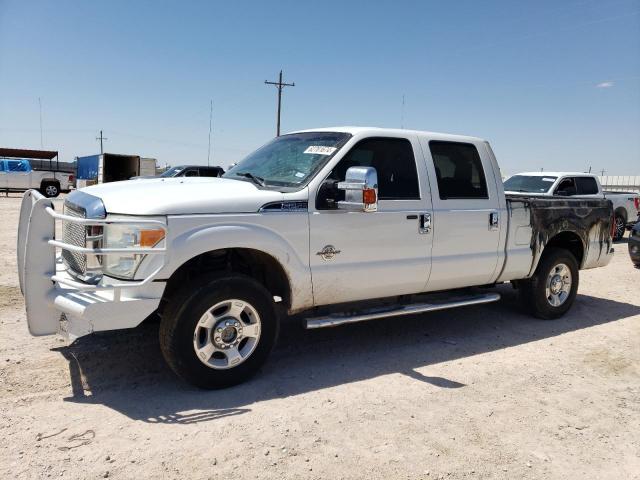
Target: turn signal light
(149, 238)
(636, 200)
(369, 196)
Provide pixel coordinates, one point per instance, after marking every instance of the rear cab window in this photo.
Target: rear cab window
(459, 171)
(586, 186)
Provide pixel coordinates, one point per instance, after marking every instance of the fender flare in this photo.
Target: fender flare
(197, 241)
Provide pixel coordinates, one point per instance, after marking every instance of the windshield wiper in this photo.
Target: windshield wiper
(254, 178)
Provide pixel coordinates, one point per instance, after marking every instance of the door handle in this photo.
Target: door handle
(424, 223)
(494, 220)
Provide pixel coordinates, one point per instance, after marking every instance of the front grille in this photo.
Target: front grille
(74, 234)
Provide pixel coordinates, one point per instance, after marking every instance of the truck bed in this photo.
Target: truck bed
(534, 223)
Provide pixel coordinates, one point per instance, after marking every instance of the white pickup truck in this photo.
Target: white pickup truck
(339, 225)
(18, 176)
(626, 205)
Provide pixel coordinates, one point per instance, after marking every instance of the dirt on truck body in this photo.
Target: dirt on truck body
(584, 223)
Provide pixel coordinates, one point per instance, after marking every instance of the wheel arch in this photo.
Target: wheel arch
(257, 264)
(621, 212)
(46, 180)
(569, 241)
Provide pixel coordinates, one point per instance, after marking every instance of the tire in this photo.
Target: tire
(189, 321)
(537, 293)
(50, 189)
(619, 228)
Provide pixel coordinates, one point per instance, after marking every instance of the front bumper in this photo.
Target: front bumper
(55, 302)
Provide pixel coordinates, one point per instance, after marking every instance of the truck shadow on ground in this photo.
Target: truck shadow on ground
(125, 370)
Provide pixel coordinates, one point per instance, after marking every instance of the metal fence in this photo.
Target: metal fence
(623, 183)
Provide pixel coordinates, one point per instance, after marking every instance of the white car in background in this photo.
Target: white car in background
(17, 175)
(626, 205)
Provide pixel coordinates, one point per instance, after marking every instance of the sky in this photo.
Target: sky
(551, 84)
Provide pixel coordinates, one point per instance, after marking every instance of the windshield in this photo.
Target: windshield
(289, 160)
(172, 172)
(529, 184)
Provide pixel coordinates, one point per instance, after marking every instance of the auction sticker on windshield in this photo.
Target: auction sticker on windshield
(320, 150)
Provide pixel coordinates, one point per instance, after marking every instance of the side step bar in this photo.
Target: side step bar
(336, 319)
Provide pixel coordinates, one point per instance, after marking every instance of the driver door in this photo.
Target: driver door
(356, 255)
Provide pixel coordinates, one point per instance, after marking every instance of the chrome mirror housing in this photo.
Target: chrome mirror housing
(360, 190)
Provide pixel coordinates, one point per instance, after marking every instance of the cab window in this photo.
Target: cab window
(566, 187)
(394, 162)
(458, 170)
(586, 186)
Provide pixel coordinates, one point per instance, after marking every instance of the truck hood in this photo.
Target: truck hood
(182, 195)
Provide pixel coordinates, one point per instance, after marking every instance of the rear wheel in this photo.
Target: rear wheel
(218, 331)
(50, 189)
(619, 225)
(552, 289)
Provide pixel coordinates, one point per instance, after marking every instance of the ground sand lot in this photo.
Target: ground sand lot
(483, 392)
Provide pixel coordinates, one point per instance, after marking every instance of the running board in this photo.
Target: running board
(340, 319)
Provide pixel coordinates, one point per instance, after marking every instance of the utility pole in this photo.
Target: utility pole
(602, 172)
(210, 120)
(279, 85)
(101, 138)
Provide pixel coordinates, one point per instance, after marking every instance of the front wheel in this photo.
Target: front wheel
(218, 331)
(552, 289)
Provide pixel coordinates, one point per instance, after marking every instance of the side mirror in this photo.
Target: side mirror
(360, 190)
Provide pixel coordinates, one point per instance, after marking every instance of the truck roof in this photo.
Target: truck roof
(555, 174)
(397, 131)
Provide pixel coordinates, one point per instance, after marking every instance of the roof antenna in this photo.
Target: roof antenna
(40, 105)
(210, 124)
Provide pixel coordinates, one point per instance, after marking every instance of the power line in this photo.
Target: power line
(279, 85)
(101, 138)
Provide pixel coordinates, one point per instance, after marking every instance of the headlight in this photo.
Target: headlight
(124, 265)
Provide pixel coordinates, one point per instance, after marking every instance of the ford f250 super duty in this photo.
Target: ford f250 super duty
(339, 225)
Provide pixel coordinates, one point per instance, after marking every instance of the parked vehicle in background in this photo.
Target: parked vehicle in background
(339, 225)
(16, 175)
(188, 171)
(111, 167)
(626, 205)
(634, 244)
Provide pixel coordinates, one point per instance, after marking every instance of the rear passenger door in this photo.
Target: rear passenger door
(466, 214)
